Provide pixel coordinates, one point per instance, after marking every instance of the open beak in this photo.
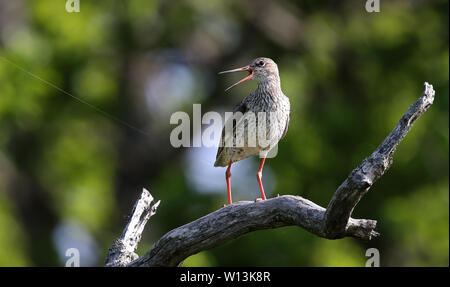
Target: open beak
(246, 69)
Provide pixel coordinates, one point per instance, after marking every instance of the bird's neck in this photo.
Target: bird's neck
(269, 85)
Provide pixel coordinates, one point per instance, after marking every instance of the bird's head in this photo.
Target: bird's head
(260, 69)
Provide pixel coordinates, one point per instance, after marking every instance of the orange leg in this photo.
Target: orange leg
(259, 176)
(227, 177)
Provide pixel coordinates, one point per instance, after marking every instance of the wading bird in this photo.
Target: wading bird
(268, 100)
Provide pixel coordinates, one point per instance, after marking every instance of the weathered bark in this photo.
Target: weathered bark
(122, 250)
(371, 169)
(239, 218)
(243, 217)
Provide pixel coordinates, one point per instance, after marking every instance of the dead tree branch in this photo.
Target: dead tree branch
(243, 217)
(371, 169)
(122, 250)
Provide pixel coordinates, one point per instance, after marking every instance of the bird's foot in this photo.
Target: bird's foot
(258, 199)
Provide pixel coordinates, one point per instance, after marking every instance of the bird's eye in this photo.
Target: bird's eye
(260, 63)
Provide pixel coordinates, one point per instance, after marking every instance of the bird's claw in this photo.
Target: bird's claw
(258, 199)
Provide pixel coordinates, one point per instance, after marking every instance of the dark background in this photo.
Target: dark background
(70, 172)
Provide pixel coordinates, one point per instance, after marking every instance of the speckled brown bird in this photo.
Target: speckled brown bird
(267, 99)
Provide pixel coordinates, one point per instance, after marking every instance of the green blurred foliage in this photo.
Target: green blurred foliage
(350, 76)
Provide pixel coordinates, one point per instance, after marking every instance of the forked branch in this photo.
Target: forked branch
(243, 217)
